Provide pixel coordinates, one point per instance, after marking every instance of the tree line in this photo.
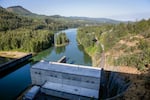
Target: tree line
(61, 39)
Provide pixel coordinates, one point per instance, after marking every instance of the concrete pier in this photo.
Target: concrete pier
(67, 80)
(62, 60)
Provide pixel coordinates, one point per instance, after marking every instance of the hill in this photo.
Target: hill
(126, 50)
(124, 42)
(10, 21)
(97, 20)
(22, 11)
(19, 10)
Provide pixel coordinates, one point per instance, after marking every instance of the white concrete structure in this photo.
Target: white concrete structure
(59, 79)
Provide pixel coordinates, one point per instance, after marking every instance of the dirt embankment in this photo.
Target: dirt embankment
(140, 87)
(140, 80)
(12, 54)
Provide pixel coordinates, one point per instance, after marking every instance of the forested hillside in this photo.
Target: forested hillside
(27, 33)
(21, 33)
(124, 44)
(126, 50)
(10, 21)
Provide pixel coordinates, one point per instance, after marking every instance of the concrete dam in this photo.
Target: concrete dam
(77, 82)
(66, 80)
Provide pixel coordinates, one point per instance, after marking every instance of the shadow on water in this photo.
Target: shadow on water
(60, 50)
(41, 55)
(14, 80)
(86, 57)
(4, 60)
(12, 69)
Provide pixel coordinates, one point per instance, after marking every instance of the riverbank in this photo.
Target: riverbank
(91, 51)
(12, 54)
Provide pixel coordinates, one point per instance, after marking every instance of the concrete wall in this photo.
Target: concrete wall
(39, 77)
(79, 76)
(8, 65)
(65, 95)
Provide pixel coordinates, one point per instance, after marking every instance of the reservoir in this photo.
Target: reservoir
(15, 82)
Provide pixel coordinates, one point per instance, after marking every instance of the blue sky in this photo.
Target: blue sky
(114, 9)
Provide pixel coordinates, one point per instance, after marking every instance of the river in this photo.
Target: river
(15, 82)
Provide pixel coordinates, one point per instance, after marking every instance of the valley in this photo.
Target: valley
(117, 46)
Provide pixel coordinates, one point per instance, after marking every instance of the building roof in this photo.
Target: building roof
(69, 68)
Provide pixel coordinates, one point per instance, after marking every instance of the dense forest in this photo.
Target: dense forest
(23, 30)
(126, 44)
(27, 33)
(21, 33)
(61, 39)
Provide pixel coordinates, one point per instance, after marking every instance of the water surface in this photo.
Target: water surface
(75, 53)
(15, 82)
(12, 84)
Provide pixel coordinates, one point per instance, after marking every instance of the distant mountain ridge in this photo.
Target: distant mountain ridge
(101, 20)
(22, 11)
